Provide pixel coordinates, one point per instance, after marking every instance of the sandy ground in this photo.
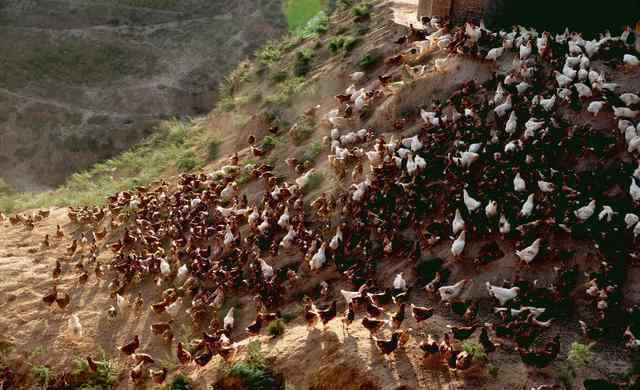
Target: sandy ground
(404, 12)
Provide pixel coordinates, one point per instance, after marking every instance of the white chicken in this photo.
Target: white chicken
(266, 269)
(525, 50)
(631, 60)
(634, 190)
(75, 326)
(624, 112)
(631, 220)
(228, 320)
(165, 267)
(318, 259)
(503, 225)
(399, 284)
(547, 104)
(595, 107)
(562, 80)
(585, 212)
(471, 203)
(494, 53)
(288, 239)
(512, 123)
(283, 221)
(457, 247)
(121, 303)
(336, 240)
(630, 98)
(529, 253)
(527, 206)
(466, 159)
(449, 293)
(519, 184)
(458, 223)
(546, 186)
(606, 213)
(503, 108)
(491, 209)
(503, 295)
(349, 296)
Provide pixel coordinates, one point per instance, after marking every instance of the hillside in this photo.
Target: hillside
(364, 156)
(90, 79)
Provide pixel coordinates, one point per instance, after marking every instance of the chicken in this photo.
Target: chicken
(503, 295)
(398, 317)
(457, 247)
(585, 212)
(75, 326)
(388, 346)
(229, 320)
(449, 293)
(470, 202)
(421, 313)
(266, 269)
(51, 296)
(399, 284)
(255, 326)
(595, 107)
(519, 184)
(529, 253)
(319, 258)
(634, 190)
(158, 376)
(630, 60)
(372, 325)
(184, 356)
(494, 54)
(130, 348)
(462, 333)
(328, 314)
(458, 223)
(485, 341)
(527, 206)
(63, 300)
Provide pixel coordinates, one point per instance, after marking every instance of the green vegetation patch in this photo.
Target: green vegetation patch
(154, 4)
(254, 370)
(74, 62)
(299, 12)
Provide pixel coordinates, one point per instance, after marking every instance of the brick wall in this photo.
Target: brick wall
(441, 7)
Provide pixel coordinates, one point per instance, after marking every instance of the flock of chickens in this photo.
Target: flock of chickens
(497, 161)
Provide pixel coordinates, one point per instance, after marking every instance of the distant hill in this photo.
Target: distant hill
(83, 80)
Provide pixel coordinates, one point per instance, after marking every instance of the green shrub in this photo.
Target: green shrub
(319, 24)
(362, 11)
(268, 143)
(276, 328)
(180, 382)
(368, 61)
(302, 65)
(315, 180)
(253, 371)
(286, 90)
(492, 369)
(350, 43)
(188, 162)
(270, 53)
(566, 374)
(579, 354)
(104, 378)
(335, 44)
(288, 317)
(475, 350)
(42, 375)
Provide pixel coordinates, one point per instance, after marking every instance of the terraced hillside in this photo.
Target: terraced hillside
(88, 78)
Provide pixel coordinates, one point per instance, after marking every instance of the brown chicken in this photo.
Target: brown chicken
(158, 376)
(57, 270)
(255, 326)
(327, 315)
(398, 317)
(388, 346)
(310, 316)
(184, 357)
(373, 325)
(51, 296)
(130, 348)
(62, 300)
(421, 313)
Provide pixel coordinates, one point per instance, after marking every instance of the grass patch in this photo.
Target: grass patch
(300, 12)
(368, 61)
(180, 382)
(579, 354)
(254, 370)
(310, 153)
(315, 180)
(189, 162)
(492, 370)
(286, 90)
(273, 51)
(276, 328)
(302, 130)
